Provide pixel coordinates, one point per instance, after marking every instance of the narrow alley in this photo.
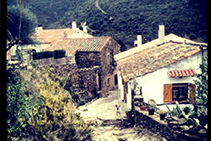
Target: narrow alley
(101, 113)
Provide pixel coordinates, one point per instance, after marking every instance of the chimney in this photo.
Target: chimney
(38, 28)
(138, 42)
(161, 34)
(74, 25)
(85, 29)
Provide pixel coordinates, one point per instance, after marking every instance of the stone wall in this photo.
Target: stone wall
(89, 79)
(81, 82)
(108, 65)
(87, 59)
(162, 129)
(80, 78)
(104, 60)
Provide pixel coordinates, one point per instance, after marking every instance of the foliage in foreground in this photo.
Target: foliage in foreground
(40, 109)
(202, 84)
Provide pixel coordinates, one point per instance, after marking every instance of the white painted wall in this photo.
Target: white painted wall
(171, 106)
(13, 50)
(152, 83)
(37, 47)
(80, 34)
(129, 96)
(120, 86)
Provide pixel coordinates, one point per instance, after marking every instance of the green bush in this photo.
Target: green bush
(186, 110)
(18, 105)
(202, 84)
(44, 113)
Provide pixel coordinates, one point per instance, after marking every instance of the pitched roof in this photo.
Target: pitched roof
(49, 36)
(150, 56)
(71, 45)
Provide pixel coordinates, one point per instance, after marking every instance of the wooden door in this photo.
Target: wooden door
(167, 93)
(192, 92)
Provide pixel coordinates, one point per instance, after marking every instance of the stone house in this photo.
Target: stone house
(163, 69)
(93, 56)
(94, 59)
(45, 38)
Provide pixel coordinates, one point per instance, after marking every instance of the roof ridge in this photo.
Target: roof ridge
(108, 38)
(82, 38)
(55, 29)
(168, 38)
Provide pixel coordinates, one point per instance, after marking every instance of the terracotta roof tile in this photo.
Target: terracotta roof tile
(71, 45)
(170, 37)
(49, 36)
(181, 73)
(152, 57)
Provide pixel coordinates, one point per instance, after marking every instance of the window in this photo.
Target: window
(179, 92)
(115, 79)
(110, 57)
(108, 82)
(98, 81)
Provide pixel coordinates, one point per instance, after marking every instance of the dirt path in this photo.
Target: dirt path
(101, 113)
(98, 7)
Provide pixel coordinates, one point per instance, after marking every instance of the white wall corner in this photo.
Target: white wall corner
(129, 96)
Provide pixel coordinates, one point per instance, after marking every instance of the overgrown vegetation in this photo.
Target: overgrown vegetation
(202, 83)
(39, 108)
(125, 19)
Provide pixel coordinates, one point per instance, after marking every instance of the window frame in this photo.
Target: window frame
(168, 92)
(180, 87)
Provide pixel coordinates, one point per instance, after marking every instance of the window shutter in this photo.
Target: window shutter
(192, 92)
(167, 93)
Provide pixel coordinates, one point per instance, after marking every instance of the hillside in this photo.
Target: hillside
(124, 19)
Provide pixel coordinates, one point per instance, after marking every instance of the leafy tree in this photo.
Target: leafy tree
(202, 93)
(21, 23)
(202, 84)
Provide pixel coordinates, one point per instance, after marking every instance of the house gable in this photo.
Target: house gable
(71, 45)
(156, 85)
(154, 57)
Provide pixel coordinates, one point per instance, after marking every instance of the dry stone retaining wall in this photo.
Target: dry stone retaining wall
(164, 130)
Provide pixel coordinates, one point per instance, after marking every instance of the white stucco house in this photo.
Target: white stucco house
(163, 68)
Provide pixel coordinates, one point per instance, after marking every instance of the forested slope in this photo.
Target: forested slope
(124, 19)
